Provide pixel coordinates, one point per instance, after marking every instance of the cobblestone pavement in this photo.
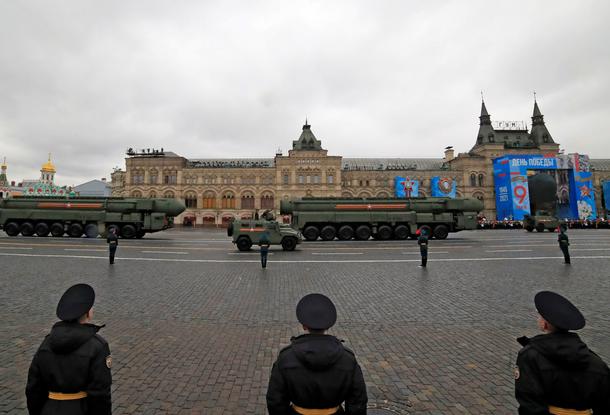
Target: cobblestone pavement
(194, 326)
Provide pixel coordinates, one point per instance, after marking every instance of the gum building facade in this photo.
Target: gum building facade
(218, 190)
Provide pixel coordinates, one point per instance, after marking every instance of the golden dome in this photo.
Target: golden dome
(48, 167)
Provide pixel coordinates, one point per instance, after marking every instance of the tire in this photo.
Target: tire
(57, 229)
(401, 232)
(529, 228)
(540, 227)
(27, 229)
(345, 233)
(384, 232)
(230, 229)
(244, 243)
(289, 243)
(327, 233)
(427, 228)
(363, 233)
(11, 228)
(91, 230)
(41, 229)
(128, 231)
(311, 233)
(140, 234)
(75, 230)
(441, 232)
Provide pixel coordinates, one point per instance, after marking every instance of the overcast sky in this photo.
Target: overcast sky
(87, 79)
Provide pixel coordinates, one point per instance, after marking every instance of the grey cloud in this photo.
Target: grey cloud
(87, 79)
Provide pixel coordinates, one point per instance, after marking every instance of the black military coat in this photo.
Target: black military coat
(563, 240)
(558, 369)
(422, 241)
(72, 358)
(316, 371)
(112, 239)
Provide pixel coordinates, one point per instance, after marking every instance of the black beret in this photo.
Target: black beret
(75, 302)
(559, 311)
(317, 312)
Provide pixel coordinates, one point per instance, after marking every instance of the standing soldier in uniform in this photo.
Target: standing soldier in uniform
(113, 242)
(70, 372)
(556, 373)
(422, 241)
(564, 242)
(264, 243)
(315, 374)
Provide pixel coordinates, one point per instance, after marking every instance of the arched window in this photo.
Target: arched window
(228, 201)
(481, 180)
(267, 201)
(152, 194)
(153, 177)
(168, 194)
(190, 200)
(247, 201)
(479, 196)
(209, 200)
(136, 193)
(473, 180)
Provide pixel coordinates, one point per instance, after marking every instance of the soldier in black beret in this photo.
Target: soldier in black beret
(113, 243)
(70, 372)
(422, 241)
(316, 374)
(564, 243)
(556, 372)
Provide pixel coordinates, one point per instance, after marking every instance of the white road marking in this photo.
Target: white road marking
(336, 261)
(164, 252)
(429, 251)
(336, 253)
(12, 247)
(509, 250)
(248, 253)
(85, 249)
(589, 249)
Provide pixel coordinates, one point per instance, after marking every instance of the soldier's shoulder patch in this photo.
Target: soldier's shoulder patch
(517, 373)
(109, 361)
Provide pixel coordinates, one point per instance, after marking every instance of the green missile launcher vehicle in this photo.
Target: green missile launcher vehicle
(347, 218)
(131, 217)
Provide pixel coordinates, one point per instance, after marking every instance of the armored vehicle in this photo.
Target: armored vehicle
(131, 217)
(540, 221)
(245, 233)
(383, 219)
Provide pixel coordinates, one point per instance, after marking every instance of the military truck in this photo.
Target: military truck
(247, 232)
(383, 219)
(540, 221)
(130, 217)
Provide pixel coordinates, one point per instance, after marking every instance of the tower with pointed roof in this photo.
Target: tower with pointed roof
(307, 140)
(486, 132)
(3, 177)
(540, 134)
(47, 172)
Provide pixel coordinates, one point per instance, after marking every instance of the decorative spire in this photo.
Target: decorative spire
(484, 117)
(539, 133)
(306, 126)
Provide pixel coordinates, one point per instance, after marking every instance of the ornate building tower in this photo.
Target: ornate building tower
(47, 172)
(3, 178)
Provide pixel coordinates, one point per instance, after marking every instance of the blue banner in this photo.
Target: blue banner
(443, 187)
(606, 187)
(585, 195)
(504, 205)
(533, 162)
(406, 187)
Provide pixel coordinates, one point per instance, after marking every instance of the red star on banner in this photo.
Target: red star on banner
(585, 191)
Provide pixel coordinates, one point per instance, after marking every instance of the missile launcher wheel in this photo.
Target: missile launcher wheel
(11, 229)
(311, 233)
